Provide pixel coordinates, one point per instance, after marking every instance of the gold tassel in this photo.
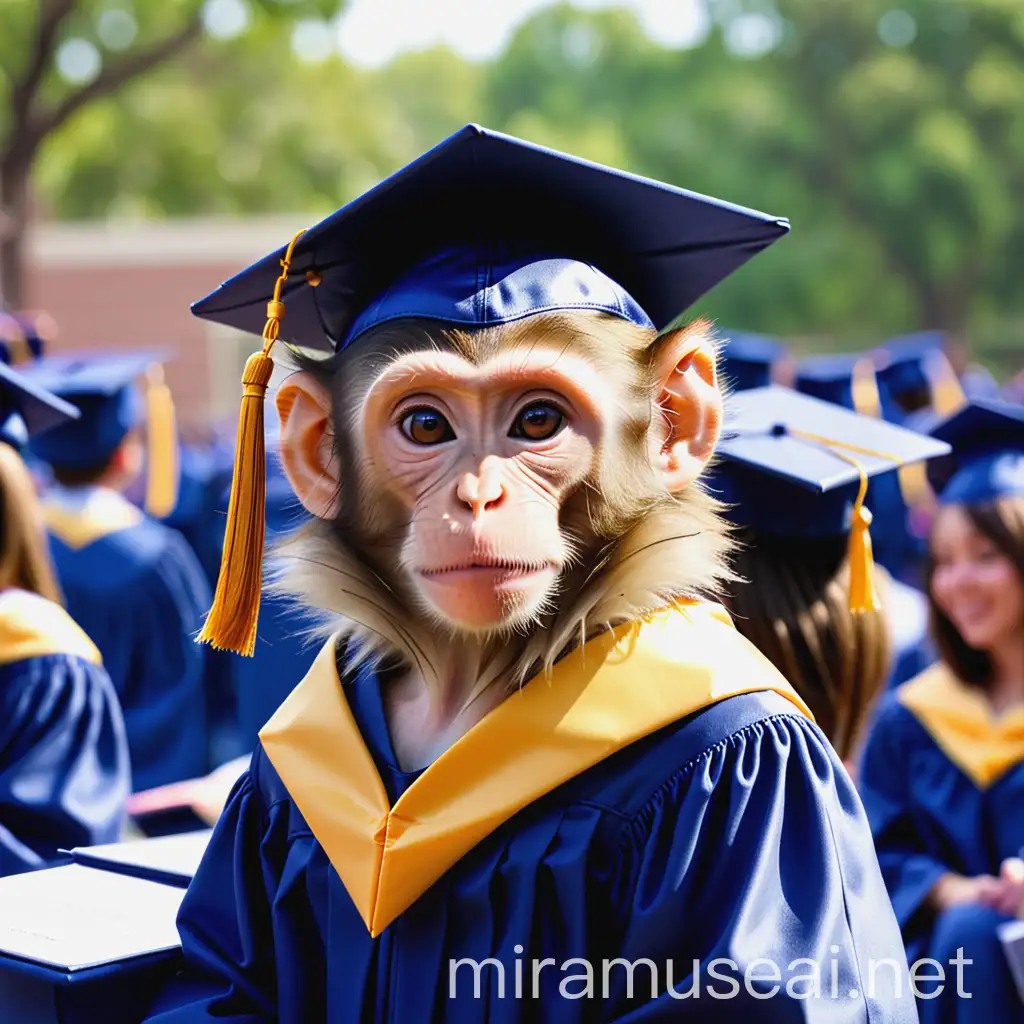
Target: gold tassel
(863, 596)
(864, 384)
(162, 458)
(231, 624)
(947, 394)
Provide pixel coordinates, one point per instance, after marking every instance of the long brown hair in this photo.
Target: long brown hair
(1002, 522)
(24, 553)
(795, 610)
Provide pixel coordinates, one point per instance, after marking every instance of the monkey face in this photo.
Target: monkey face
(482, 459)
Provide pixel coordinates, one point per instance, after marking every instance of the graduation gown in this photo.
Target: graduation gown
(64, 770)
(663, 795)
(137, 590)
(942, 781)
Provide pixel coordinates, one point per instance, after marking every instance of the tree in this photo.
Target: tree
(102, 47)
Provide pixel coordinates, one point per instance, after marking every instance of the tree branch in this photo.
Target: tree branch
(52, 14)
(115, 75)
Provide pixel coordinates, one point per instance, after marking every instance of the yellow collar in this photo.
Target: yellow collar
(102, 513)
(33, 627)
(621, 686)
(961, 722)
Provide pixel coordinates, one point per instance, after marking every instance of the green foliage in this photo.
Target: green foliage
(890, 132)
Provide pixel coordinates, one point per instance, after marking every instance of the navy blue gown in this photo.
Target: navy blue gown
(943, 785)
(64, 769)
(137, 590)
(730, 832)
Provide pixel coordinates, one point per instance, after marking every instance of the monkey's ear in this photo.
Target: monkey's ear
(691, 404)
(307, 448)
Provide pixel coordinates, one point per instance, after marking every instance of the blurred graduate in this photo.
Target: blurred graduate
(133, 584)
(64, 765)
(794, 472)
(943, 772)
(470, 769)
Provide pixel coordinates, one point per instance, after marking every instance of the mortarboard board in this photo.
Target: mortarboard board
(747, 360)
(987, 458)
(917, 363)
(795, 466)
(483, 229)
(104, 388)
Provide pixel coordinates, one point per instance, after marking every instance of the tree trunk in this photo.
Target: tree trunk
(13, 226)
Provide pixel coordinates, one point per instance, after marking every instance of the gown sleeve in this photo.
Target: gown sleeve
(226, 920)
(64, 766)
(748, 876)
(909, 869)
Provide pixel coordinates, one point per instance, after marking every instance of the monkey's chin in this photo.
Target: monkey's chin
(483, 598)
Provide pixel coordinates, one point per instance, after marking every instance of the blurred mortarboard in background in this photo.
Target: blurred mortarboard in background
(24, 336)
(914, 372)
(796, 466)
(483, 229)
(105, 387)
(27, 409)
(747, 360)
(847, 380)
(987, 458)
(1013, 390)
(978, 382)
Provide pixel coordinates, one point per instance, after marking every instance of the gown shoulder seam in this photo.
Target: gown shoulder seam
(687, 767)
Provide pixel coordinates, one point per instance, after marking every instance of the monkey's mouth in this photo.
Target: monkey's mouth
(481, 569)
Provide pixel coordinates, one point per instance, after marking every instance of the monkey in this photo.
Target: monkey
(531, 737)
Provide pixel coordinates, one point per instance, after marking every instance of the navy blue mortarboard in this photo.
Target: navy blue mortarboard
(747, 360)
(917, 364)
(987, 460)
(452, 237)
(483, 229)
(105, 388)
(847, 380)
(796, 466)
(26, 409)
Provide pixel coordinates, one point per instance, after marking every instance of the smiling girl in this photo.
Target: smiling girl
(943, 772)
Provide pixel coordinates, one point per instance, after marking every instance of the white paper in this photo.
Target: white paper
(177, 855)
(76, 917)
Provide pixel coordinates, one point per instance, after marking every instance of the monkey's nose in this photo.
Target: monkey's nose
(481, 493)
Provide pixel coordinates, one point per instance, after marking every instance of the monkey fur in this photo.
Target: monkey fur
(629, 546)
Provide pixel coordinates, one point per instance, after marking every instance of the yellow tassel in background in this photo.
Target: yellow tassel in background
(863, 596)
(231, 624)
(162, 458)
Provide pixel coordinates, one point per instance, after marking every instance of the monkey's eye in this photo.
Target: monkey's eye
(537, 422)
(427, 426)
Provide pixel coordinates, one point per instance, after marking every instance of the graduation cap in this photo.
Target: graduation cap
(747, 360)
(917, 364)
(987, 458)
(104, 388)
(847, 380)
(483, 229)
(26, 409)
(796, 466)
